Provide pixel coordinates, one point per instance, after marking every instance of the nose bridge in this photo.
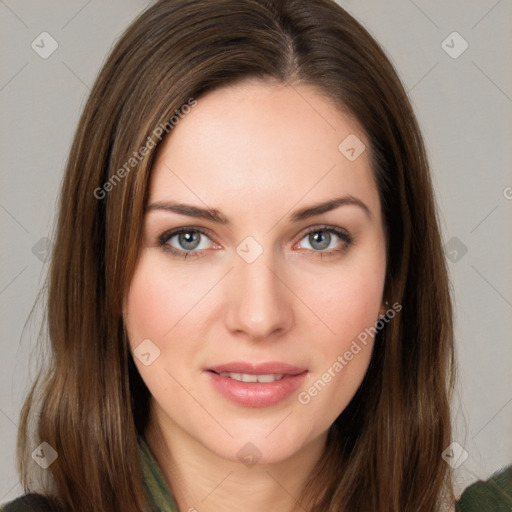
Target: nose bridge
(260, 303)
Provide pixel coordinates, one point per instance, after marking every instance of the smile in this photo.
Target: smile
(248, 384)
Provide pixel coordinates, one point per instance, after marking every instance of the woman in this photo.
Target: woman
(248, 302)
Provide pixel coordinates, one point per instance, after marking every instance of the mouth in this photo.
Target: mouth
(256, 385)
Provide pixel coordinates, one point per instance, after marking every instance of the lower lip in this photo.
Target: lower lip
(256, 394)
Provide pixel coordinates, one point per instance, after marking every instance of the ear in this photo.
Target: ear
(383, 309)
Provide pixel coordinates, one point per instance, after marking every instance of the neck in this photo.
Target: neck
(201, 480)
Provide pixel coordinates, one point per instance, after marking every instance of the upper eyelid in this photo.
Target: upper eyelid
(342, 233)
(168, 234)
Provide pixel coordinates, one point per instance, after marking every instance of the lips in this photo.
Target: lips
(256, 385)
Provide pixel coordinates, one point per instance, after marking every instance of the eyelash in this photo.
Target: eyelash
(164, 238)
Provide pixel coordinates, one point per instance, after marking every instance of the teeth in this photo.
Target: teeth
(245, 377)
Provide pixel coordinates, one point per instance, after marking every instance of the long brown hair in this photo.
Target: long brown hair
(384, 450)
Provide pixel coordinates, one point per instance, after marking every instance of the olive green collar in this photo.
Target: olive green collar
(158, 495)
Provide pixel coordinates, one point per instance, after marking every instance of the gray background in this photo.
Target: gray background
(464, 108)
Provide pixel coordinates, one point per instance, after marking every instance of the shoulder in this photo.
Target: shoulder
(31, 503)
(493, 495)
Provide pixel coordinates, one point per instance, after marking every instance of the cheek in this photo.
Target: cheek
(147, 305)
(348, 300)
(153, 308)
(349, 305)
(157, 299)
(162, 306)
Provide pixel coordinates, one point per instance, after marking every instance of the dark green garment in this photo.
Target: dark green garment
(158, 495)
(493, 495)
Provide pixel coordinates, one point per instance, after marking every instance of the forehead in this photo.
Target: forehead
(260, 147)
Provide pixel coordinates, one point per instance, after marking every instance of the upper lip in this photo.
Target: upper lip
(272, 367)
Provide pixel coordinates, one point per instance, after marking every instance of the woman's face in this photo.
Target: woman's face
(257, 286)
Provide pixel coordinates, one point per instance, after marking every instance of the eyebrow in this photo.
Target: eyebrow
(216, 216)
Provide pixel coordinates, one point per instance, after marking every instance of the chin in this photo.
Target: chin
(261, 446)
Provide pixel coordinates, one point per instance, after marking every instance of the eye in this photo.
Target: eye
(185, 242)
(190, 242)
(321, 238)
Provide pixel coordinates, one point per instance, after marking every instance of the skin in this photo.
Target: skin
(256, 152)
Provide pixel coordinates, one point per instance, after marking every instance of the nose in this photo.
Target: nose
(260, 303)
